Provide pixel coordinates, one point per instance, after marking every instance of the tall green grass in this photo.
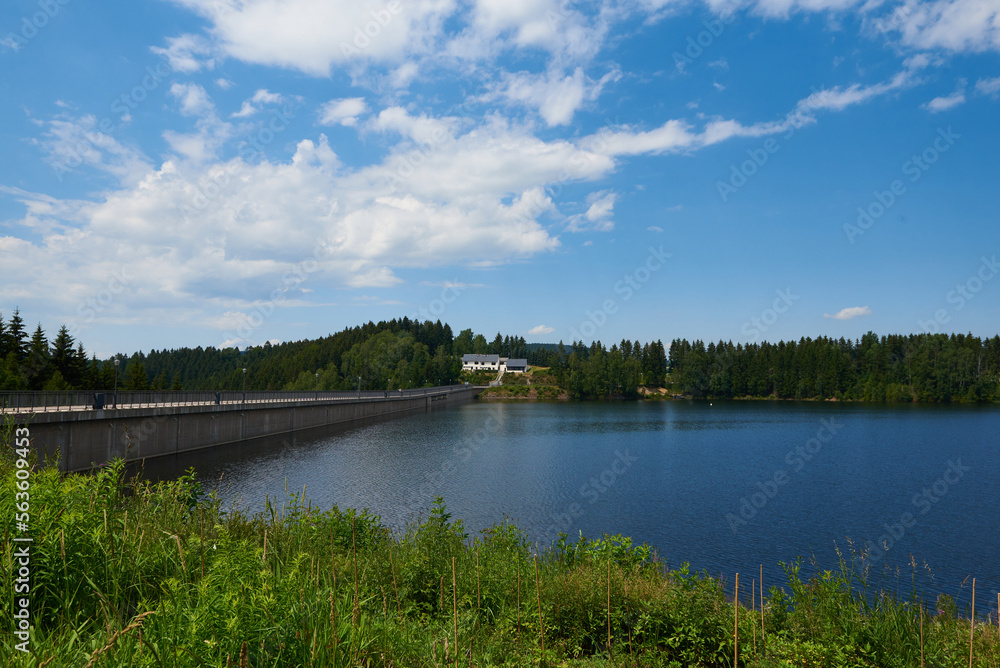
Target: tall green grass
(130, 573)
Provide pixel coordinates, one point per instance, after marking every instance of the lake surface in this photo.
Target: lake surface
(726, 486)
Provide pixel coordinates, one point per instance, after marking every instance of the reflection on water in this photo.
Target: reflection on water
(726, 486)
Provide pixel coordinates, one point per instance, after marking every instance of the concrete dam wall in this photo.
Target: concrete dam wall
(80, 440)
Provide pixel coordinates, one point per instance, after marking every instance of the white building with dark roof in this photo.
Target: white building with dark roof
(517, 365)
(472, 362)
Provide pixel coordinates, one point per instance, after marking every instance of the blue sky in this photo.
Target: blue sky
(228, 172)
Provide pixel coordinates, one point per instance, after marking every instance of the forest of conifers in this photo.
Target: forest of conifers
(913, 367)
(407, 353)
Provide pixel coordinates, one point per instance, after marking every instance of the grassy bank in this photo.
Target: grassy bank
(127, 573)
(538, 383)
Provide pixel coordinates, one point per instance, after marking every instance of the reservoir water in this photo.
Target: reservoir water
(725, 486)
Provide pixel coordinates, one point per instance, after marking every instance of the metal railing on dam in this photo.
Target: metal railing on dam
(83, 430)
(43, 402)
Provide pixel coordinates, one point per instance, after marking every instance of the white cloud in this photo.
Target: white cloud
(849, 313)
(784, 8)
(319, 36)
(448, 191)
(598, 216)
(952, 25)
(557, 97)
(210, 133)
(601, 209)
(988, 86)
(204, 237)
(570, 37)
(184, 53)
(423, 129)
(838, 98)
(654, 228)
(677, 135)
(262, 96)
(404, 74)
(70, 142)
(193, 99)
(344, 111)
(939, 104)
(224, 84)
(539, 330)
(674, 135)
(313, 36)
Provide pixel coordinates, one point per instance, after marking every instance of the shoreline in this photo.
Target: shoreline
(317, 588)
(564, 397)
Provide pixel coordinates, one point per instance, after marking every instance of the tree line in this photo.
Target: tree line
(914, 367)
(35, 363)
(595, 371)
(332, 362)
(402, 353)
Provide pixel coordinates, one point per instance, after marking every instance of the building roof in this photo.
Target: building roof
(517, 362)
(468, 357)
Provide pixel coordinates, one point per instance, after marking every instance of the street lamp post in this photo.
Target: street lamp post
(359, 387)
(317, 386)
(244, 386)
(116, 382)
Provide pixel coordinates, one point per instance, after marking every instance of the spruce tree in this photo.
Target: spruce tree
(136, 378)
(17, 338)
(36, 365)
